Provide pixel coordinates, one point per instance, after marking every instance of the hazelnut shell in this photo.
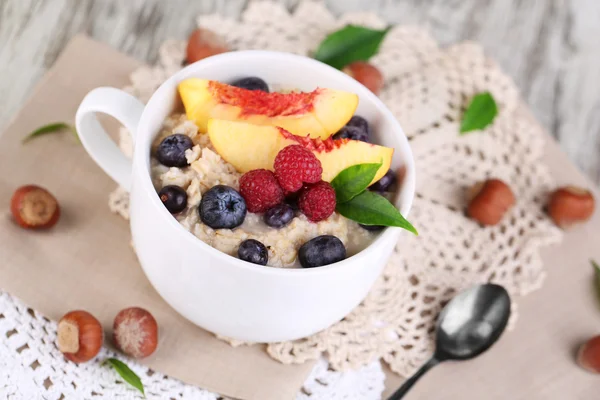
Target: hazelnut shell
(490, 201)
(79, 336)
(588, 356)
(34, 207)
(135, 332)
(570, 205)
(367, 74)
(203, 43)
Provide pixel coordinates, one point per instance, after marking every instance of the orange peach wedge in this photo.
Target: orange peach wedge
(249, 147)
(320, 113)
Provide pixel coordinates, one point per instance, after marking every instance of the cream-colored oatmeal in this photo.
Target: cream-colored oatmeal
(208, 169)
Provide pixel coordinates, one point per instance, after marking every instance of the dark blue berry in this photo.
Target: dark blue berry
(372, 228)
(253, 251)
(171, 151)
(174, 198)
(251, 83)
(352, 133)
(222, 207)
(359, 122)
(279, 216)
(356, 129)
(386, 181)
(322, 250)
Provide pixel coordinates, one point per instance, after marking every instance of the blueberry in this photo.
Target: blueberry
(385, 182)
(322, 250)
(279, 216)
(251, 83)
(174, 198)
(171, 151)
(253, 251)
(372, 228)
(222, 207)
(356, 129)
(359, 122)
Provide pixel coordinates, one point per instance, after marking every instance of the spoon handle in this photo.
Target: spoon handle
(398, 394)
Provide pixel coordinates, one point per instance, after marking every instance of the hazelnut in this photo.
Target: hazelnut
(34, 207)
(365, 73)
(569, 205)
(80, 336)
(490, 200)
(203, 43)
(135, 332)
(588, 355)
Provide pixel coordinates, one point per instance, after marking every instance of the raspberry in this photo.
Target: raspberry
(260, 190)
(317, 201)
(295, 165)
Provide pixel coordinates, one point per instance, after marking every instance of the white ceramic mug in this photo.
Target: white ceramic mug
(218, 292)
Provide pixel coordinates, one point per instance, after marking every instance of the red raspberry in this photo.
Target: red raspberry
(317, 201)
(260, 190)
(295, 165)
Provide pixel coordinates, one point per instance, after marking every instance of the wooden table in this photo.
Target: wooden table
(550, 47)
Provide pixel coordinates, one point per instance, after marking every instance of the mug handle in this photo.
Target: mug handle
(124, 108)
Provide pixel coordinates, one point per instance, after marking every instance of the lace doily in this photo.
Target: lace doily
(425, 88)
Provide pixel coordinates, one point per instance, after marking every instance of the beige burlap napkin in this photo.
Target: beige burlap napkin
(85, 262)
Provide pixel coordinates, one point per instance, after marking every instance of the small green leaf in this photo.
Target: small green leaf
(51, 128)
(370, 208)
(597, 270)
(349, 44)
(353, 180)
(480, 113)
(127, 374)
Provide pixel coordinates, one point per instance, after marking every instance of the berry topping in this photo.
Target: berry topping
(279, 216)
(317, 201)
(295, 165)
(171, 151)
(253, 251)
(356, 129)
(174, 198)
(385, 182)
(322, 250)
(251, 83)
(261, 190)
(222, 207)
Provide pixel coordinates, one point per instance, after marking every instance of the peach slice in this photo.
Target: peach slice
(247, 147)
(319, 113)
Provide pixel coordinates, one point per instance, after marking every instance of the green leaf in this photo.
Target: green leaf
(480, 113)
(370, 208)
(353, 180)
(349, 44)
(597, 270)
(51, 128)
(127, 374)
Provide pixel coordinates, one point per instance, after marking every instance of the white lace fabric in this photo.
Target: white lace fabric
(426, 89)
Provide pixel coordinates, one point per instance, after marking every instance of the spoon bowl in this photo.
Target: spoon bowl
(472, 322)
(467, 326)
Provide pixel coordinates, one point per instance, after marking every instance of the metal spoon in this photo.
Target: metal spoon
(469, 325)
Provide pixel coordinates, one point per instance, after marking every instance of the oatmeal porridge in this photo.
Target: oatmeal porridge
(284, 218)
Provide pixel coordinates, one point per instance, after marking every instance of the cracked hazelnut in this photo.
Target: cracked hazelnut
(569, 205)
(490, 200)
(203, 43)
(588, 356)
(365, 73)
(80, 336)
(135, 332)
(34, 207)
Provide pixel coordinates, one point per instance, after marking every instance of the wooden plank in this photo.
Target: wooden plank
(549, 47)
